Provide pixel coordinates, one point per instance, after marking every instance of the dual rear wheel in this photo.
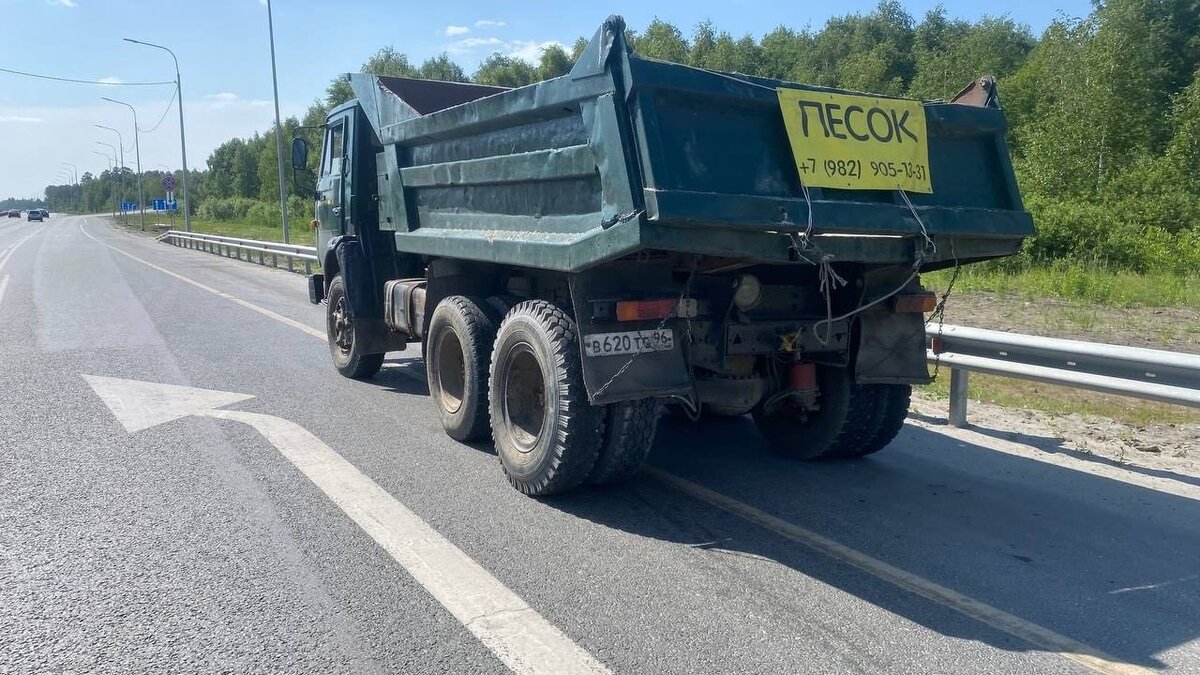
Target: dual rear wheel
(521, 378)
(850, 420)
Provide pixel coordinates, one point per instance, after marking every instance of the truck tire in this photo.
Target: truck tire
(461, 333)
(342, 334)
(864, 416)
(547, 433)
(629, 428)
(806, 435)
(894, 400)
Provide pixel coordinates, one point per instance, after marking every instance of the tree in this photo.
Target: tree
(783, 51)
(554, 62)
(505, 71)
(948, 55)
(442, 68)
(662, 41)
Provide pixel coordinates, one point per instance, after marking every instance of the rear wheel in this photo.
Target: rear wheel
(343, 333)
(834, 425)
(629, 428)
(547, 433)
(892, 410)
(459, 351)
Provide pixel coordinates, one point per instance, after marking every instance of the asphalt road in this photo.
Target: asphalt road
(196, 545)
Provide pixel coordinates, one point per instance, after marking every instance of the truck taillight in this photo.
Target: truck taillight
(644, 310)
(924, 301)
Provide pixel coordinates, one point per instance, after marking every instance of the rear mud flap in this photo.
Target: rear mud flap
(626, 377)
(891, 349)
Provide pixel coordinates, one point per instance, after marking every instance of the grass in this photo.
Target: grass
(300, 233)
(1114, 288)
(1029, 395)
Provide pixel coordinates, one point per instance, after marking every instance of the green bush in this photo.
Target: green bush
(255, 212)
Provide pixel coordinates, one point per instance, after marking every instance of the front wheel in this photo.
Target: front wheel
(343, 333)
(546, 431)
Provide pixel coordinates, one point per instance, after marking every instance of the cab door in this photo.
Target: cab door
(333, 181)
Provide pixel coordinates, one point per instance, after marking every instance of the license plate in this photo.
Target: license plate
(630, 342)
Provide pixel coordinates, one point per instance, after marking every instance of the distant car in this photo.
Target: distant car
(13, 213)
(35, 214)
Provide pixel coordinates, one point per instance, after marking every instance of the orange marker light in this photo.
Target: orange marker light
(915, 302)
(644, 310)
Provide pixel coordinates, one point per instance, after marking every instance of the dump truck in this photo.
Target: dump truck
(578, 255)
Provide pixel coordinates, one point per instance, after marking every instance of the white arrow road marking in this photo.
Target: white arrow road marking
(520, 637)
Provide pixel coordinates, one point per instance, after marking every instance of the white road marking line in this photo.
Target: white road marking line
(520, 637)
(1007, 623)
(3, 287)
(221, 294)
(5, 258)
(1036, 635)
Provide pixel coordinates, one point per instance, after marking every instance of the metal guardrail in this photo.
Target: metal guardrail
(233, 247)
(1150, 374)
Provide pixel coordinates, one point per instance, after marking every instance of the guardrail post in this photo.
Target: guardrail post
(958, 397)
(307, 267)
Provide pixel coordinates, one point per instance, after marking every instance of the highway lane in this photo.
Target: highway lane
(194, 545)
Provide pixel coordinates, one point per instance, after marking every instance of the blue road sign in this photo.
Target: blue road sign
(129, 206)
(160, 205)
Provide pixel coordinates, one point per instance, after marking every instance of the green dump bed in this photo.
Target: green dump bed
(626, 154)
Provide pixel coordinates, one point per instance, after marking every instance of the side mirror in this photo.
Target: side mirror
(299, 153)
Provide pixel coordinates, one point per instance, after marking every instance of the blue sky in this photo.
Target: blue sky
(225, 61)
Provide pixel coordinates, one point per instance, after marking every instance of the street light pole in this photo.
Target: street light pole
(283, 210)
(121, 147)
(110, 159)
(74, 177)
(138, 150)
(187, 205)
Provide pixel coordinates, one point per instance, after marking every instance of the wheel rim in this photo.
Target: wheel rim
(339, 320)
(524, 398)
(451, 372)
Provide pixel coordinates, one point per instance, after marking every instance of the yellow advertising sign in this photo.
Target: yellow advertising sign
(857, 142)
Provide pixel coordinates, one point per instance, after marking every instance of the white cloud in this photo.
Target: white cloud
(530, 50)
(489, 23)
(62, 3)
(225, 99)
(111, 79)
(451, 31)
(262, 2)
(20, 118)
(526, 50)
(474, 43)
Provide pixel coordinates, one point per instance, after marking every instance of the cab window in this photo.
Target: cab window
(334, 149)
